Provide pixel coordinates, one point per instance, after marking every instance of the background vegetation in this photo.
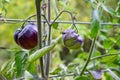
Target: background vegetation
(82, 10)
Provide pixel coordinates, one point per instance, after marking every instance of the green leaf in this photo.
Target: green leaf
(4, 10)
(108, 76)
(19, 62)
(99, 45)
(118, 8)
(4, 66)
(95, 23)
(109, 10)
(72, 66)
(91, 66)
(61, 71)
(81, 78)
(92, 3)
(8, 69)
(117, 61)
(107, 43)
(109, 59)
(41, 52)
(56, 71)
(5, 1)
(55, 8)
(32, 68)
(55, 25)
(28, 76)
(118, 42)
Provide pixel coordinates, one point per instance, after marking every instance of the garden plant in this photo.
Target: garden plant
(49, 47)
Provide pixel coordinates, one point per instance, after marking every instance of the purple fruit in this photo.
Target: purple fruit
(27, 37)
(71, 39)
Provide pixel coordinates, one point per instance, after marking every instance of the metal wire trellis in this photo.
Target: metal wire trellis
(7, 20)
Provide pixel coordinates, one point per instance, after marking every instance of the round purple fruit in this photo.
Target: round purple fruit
(26, 37)
(71, 39)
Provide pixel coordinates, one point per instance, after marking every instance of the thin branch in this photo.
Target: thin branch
(57, 17)
(60, 15)
(48, 56)
(27, 19)
(3, 47)
(44, 30)
(90, 53)
(66, 75)
(105, 55)
(70, 16)
(113, 74)
(46, 20)
(71, 74)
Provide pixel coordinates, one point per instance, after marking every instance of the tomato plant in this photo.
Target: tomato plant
(51, 47)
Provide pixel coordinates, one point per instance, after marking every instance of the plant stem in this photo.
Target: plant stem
(3, 47)
(46, 21)
(105, 55)
(49, 34)
(70, 16)
(27, 20)
(113, 74)
(72, 74)
(38, 11)
(60, 15)
(48, 56)
(45, 33)
(90, 54)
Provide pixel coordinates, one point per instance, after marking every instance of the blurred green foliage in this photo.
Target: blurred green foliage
(82, 10)
(15, 10)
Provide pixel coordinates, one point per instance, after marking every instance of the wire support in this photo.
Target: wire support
(7, 20)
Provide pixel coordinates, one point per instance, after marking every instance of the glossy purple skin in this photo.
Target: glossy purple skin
(75, 40)
(27, 37)
(68, 34)
(79, 39)
(16, 35)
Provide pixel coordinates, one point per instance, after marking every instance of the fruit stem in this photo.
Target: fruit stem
(38, 12)
(27, 20)
(89, 57)
(46, 19)
(72, 18)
